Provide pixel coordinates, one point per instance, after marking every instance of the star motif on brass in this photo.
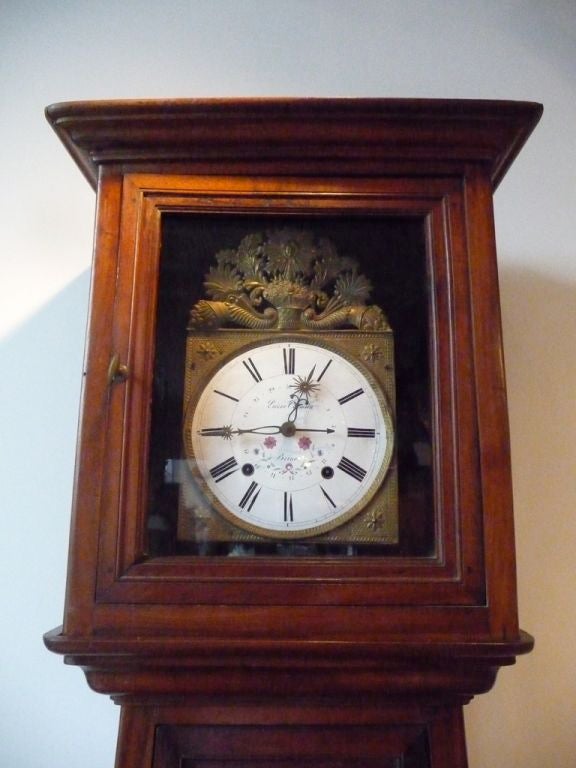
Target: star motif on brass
(199, 513)
(207, 351)
(371, 353)
(375, 520)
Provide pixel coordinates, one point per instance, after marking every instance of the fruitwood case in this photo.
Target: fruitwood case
(323, 660)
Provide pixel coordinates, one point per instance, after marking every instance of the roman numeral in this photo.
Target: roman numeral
(289, 359)
(288, 509)
(250, 496)
(350, 396)
(357, 432)
(217, 392)
(224, 469)
(327, 497)
(252, 370)
(324, 370)
(351, 469)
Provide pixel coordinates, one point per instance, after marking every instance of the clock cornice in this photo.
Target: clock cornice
(387, 132)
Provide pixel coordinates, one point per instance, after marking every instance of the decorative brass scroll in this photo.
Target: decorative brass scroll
(286, 280)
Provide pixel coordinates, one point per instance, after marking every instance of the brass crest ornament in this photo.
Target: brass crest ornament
(286, 279)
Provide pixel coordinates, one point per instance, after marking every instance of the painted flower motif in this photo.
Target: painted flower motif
(304, 443)
(270, 442)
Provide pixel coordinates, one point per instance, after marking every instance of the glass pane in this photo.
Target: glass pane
(291, 396)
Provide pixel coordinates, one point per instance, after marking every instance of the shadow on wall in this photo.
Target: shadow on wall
(527, 717)
(539, 318)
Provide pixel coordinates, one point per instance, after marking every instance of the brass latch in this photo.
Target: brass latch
(117, 371)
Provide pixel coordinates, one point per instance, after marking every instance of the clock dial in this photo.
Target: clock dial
(289, 438)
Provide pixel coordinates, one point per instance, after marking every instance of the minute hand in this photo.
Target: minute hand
(273, 430)
(327, 431)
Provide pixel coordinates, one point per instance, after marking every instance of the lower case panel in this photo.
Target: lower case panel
(290, 746)
(154, 737)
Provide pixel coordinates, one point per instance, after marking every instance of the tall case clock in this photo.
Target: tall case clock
(292, 537)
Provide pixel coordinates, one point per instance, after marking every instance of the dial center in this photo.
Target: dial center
(288, 429)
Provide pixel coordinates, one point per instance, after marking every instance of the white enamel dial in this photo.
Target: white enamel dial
(290, 438)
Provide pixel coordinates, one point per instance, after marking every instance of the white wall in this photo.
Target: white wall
(54, 50)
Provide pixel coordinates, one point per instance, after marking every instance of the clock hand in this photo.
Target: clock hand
(271, 430)
(296, 404)
(216, 432)
(305, 429)
(304, 386)
(287, 429)
(228, 431)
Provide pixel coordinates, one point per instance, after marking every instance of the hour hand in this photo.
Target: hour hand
(227, 431)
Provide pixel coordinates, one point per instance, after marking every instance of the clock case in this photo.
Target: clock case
(324, 660)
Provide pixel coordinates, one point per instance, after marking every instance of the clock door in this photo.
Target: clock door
(248, 307)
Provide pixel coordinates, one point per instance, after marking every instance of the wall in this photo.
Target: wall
(53, 51)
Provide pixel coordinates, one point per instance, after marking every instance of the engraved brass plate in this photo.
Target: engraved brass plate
(199, 518)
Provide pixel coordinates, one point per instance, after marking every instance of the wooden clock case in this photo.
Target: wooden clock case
(322, 661)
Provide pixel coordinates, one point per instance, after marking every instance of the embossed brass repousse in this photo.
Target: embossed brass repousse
(280, 281)
(287, 284)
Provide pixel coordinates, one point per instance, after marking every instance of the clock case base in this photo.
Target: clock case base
(324, 705)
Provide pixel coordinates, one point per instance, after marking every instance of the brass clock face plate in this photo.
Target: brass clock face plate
(289, 438)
